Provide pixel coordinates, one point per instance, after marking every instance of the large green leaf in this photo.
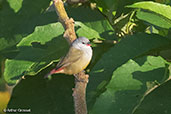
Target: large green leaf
(130, 47)
(43, 96)
(154, 19)
(156, 14)
(19, 18)
(162, 9)
(128, 85)
(157, 101)
(37, 50)
(93, 19)
(86, 31)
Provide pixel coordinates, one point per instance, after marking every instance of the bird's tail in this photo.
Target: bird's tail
(54, 71)
(50, 73)
(47, 75)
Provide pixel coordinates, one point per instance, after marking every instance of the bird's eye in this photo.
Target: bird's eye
(83, 42)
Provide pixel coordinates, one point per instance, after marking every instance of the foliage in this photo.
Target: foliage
(130, 77)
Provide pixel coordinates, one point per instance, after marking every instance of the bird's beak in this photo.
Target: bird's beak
(88, 44)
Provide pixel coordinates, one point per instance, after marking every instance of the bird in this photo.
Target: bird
(76, 60)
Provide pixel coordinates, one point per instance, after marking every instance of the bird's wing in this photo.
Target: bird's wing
(72, 56)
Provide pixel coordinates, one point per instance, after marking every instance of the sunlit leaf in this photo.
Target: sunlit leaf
(37, 50)
(128, 85)
(129, 48)
(162, 9)
(157, 101)
(15, 4)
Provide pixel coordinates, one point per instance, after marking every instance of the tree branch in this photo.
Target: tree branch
(68, 23)
(81, 79)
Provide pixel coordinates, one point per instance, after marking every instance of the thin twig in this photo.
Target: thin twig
(81, 80)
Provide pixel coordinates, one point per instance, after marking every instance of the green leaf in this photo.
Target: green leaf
(157, 14)
(129, 48)
(15, 4)
(93, 19)
(37, 50)
(113, 9)
(154, 19)
(128, 85)
(44, 96)
(42, 34)
(18, 21)
(85, 31)
(157, 101)
(107, 7)
(162, 9)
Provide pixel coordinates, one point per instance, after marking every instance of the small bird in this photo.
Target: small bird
(77, 58)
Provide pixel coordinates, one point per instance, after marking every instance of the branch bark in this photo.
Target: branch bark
(68, 23)
(81, 79)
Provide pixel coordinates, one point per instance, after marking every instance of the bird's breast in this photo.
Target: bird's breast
(79, 65)
(88, 53)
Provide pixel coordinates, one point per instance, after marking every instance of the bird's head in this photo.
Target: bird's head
(81, 42)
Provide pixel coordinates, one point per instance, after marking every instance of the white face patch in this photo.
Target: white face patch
(81, 44)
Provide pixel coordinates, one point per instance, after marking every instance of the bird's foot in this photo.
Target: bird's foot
(81, 77)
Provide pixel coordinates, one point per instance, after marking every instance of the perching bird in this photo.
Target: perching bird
(77, 58)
